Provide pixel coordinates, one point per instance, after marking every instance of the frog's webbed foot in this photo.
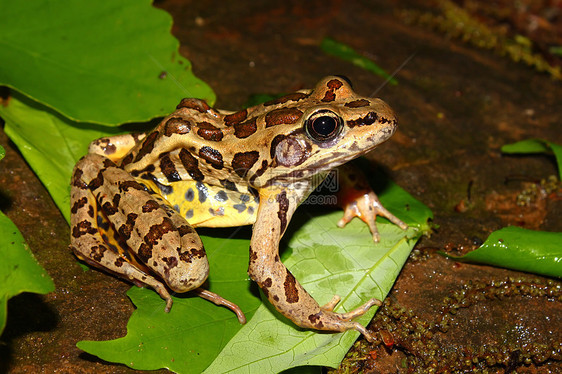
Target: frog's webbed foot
(221, 301)
(345, 318)
(329, 307)
(367, 207)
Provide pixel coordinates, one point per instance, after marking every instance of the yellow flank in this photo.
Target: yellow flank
(205, 205)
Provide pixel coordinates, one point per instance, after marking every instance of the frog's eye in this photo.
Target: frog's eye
(323, 125)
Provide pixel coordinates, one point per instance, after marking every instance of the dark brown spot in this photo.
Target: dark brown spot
(212, 156)
(235, 118)
(267, 283)
(77, 179)
(110, 149)
(96, 252)
(107, 163)
(291, 292)
(275, 298)
(145, 252)
(78, 204)
(106, 145)
(358, 103)
(172, 262)
(253, 255)
(284, 99)
(126, 185)
(83, 228)
(184, 256)
(329, 96)
(190, 103)
(191, 165)
(315, 320)
(314, 317)
(209, 132)
(119, 262)
(111, 208)
(150, 205)
(283, 202)
(96, 182)
(177, 125)
(286, 116)
(156, 232)
(369, 119)
(126, 228)
(245, 129)
(148, 169)
(185, 229)
(147, 145)
(197, 253)
(169, 169)
(332, 85)
(91, 211)
(243, 162)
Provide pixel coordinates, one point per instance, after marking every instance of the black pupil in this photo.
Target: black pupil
(325, 125)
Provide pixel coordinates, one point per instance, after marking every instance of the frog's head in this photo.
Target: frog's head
(336, 125)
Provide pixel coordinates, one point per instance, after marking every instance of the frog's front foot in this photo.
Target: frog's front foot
(367, 207)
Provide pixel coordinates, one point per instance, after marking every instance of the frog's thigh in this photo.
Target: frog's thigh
(171, 247)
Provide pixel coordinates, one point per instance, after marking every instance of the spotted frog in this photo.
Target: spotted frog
(136, 198)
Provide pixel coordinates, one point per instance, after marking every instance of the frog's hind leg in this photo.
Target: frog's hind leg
(89, 245)
(163, 242)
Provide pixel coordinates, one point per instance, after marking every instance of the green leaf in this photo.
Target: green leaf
(2, 152)
(19, 271)
(536, 146)
(516, 248)
(106, 62)
(50, 143)
(326, 259)
(347, 53)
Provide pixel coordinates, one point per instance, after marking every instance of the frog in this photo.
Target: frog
(136, 199)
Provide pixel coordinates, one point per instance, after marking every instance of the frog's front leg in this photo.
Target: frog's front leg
(358, 200)
(278, 284)
(152, 237)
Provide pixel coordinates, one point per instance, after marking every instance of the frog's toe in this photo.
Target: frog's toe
(359, 311)
(330, 305)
